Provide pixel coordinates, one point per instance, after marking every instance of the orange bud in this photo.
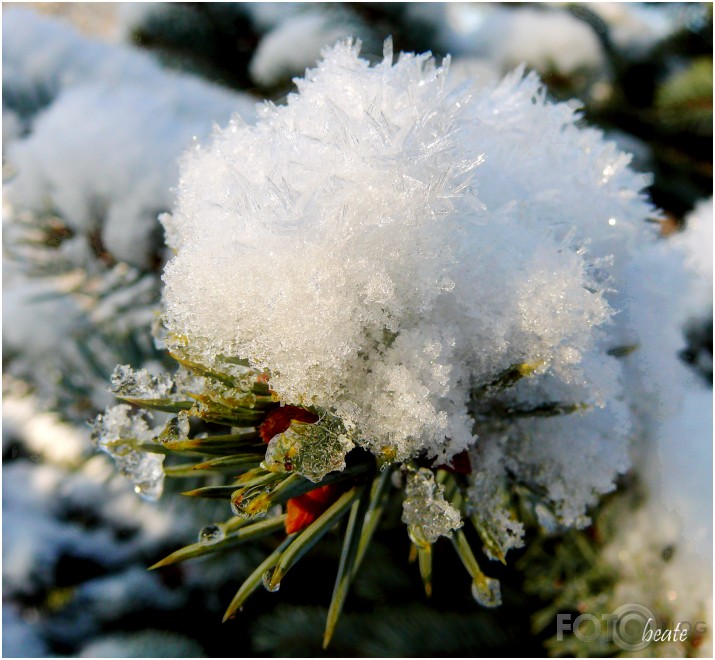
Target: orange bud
(304, 509)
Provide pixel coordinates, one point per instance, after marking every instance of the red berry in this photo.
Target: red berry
(304, 509)
(279, 420)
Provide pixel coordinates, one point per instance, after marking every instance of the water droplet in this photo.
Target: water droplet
(267, 577)
(486, 591)
(251, 502)
(211, 534)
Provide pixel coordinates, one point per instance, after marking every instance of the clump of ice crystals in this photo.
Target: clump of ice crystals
(425, 511)
(311, 450)
(140, 384)
(119, 432)
(383, 243)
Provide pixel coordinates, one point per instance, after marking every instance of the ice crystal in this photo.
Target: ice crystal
(696, 241)
(488, 500)
(311, 450)
(119, 432)
(547, 39)
(295, 43)
(140, 384)
(673, 410)
(425, 511)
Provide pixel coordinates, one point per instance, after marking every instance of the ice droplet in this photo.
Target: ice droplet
(176, 429)
(425, 511)
(267, 577)
(486, 591)
(311, 450)
(211, 534)
(251, 502)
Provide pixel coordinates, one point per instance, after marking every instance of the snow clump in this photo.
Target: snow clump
(385, 244)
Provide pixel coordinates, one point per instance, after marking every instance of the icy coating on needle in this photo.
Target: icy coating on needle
(385, 243)
(120, 432)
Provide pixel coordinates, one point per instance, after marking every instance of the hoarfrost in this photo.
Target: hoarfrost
(487, 500)
(673, 410)
(142, 644)
(547, 39)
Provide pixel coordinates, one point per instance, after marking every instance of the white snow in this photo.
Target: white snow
(295, 43)
(668, 289)
(113, 170)
(384, 243)
(548, 39)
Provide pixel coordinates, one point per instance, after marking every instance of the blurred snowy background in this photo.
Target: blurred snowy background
(99, 101)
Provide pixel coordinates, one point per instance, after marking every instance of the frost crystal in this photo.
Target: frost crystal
(386, 242)
(488, 498)
(311, 450)
(673, 409)
(425, 511)
(140, 384)
(119, 432)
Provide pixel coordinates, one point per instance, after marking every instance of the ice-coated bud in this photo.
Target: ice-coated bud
(311, 450)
